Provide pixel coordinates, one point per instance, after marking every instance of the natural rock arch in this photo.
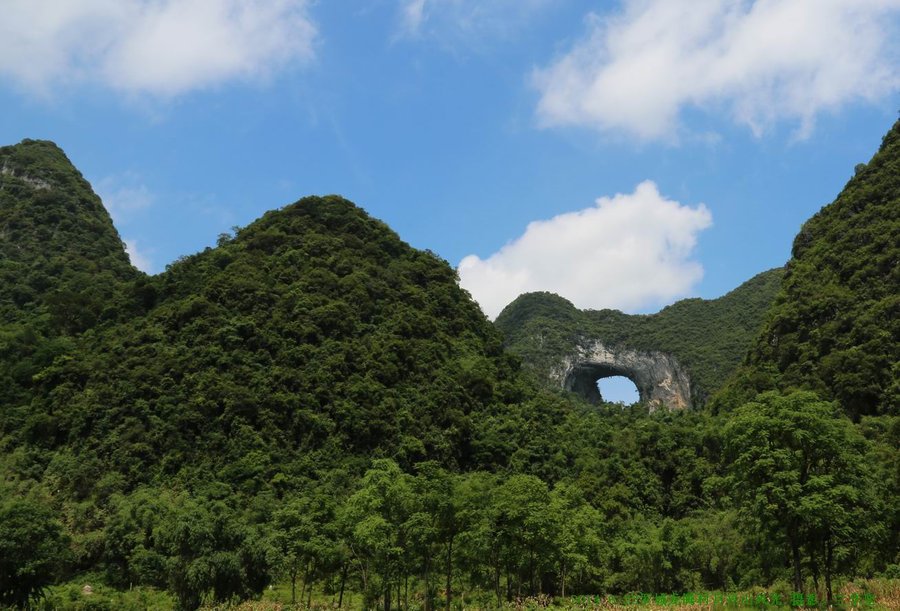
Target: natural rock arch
(660, 380)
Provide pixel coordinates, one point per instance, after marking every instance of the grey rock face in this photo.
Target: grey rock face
(36, 183)
(660, 380)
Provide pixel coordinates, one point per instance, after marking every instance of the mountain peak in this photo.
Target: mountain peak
(38, 164)
(55, 234)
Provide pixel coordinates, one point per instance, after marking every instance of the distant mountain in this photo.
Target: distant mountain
(708, 337)
(315, 334)
(315, 328)
(835, 325)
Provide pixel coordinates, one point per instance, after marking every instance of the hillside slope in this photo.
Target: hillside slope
(835, 326)
(63, 267)
(316, 332)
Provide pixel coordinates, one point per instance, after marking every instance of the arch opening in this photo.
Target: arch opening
(660, 380)
(586, 380)
(618, 389)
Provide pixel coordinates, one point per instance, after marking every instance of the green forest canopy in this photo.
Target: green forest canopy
(835, 325)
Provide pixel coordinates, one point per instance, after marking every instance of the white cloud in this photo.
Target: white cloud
(470, 21)
(138, 258)
(626, 252)
(761, 62)
(159, 47)
(124, 196)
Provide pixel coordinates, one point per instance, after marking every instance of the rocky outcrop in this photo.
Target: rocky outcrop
(36, 183)
(660, 380)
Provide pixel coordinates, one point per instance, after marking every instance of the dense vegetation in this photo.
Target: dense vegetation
(835, 326)
(708, 337)
(62, 264)
(314, 402)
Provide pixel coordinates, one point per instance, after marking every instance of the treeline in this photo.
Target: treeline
(786, 494)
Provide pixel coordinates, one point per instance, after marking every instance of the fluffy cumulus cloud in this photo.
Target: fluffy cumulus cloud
(760, 61)
(467, 20)
(159, 47)
(626, 252)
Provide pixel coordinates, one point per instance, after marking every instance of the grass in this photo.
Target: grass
(71, 597)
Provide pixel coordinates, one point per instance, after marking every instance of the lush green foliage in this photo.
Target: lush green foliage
(797, 467)
(835, 326)
(708, 337)
(31, 541)
(314, 401)
(61, 262)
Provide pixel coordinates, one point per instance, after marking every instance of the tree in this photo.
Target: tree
(303, 537)
(796, 469)
(478, 549)
(578, 536)
(524, 522)
(376, 517)
(129, 551)
(433, 524)
(31, 540)
(212, 553)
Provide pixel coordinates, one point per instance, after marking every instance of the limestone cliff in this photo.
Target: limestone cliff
(660, 380)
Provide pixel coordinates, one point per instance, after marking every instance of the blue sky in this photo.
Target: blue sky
(623, 154)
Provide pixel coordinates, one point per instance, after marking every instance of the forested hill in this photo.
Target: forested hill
(63, 267)
(60, 255)
(313, 335)
(309, 343)
(835, 325)
(708, 337)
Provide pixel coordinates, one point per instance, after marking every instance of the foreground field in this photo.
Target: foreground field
(74, 597)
